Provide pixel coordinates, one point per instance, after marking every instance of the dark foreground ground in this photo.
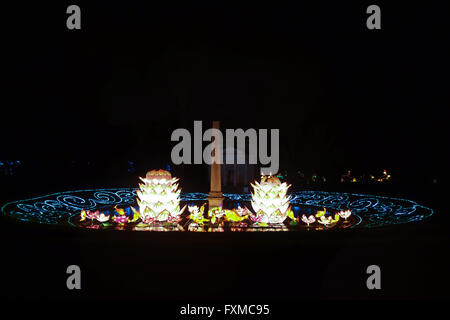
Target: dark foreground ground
(258, 267)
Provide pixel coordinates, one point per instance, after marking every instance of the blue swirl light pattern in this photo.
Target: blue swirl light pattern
(375, 211)
(60, 208)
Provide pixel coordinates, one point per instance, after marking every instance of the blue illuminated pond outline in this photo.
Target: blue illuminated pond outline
(63, 207)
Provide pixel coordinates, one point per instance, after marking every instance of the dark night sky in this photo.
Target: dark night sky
(343, 96)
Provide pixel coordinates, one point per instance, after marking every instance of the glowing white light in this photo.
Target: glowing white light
(308, 220)
(345, 214)
(159, 197)
(269, 200)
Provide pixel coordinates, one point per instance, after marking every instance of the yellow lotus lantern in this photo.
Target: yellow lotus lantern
(159, 198)
(269, 200)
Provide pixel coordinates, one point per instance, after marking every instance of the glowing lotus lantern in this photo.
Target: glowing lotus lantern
(87, 214)
(241, 211)
(159, 197)
(308, 220)
(257, 218)
(121, 219)
(102, 217)
(328, 220)
(269, 200)
(196, 215)
(324, 220)
(345, 214)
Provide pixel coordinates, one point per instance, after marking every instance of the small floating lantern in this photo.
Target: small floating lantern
(327, 220)
(102, 217)
(121, 219)
(324, 220)
(308, 220)
(345, 214)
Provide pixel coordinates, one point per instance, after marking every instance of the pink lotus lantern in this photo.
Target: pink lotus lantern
(87, 214)
(121, 219)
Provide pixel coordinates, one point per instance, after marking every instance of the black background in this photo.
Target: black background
(343, 97)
